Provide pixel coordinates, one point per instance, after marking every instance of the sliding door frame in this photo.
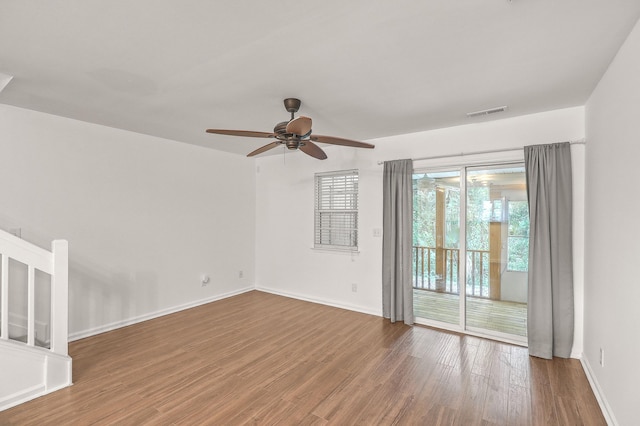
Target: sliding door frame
(462, 246)
(461, 166)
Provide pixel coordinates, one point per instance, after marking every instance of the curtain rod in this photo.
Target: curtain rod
(490, 151)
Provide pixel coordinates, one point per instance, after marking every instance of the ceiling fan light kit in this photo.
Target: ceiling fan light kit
(294, 134)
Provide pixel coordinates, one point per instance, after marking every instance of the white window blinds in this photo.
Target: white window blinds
(336, 210)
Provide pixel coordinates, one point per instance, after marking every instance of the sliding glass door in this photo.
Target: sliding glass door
(436, 246)
(497, 250)
(471, 230)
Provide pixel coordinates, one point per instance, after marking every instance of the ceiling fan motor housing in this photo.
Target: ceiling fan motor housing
(292, 104)
(281, 128)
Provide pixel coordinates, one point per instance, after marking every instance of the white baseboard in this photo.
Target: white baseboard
(321, 301)
(21, 397)
(597, 391)
(26, 395)
(141, 318)
(52, 372)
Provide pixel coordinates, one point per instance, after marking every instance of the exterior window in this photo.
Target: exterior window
(518, 238)
(336, 210)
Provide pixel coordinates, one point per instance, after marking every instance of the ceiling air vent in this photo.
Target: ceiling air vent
(486, 111)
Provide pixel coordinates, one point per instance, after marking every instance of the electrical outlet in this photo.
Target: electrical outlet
(205, 280)
(601, 357)
(240, 274)
(354, 287)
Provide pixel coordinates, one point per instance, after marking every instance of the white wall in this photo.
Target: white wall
(612, 249)
(145, 217)
(285, 260)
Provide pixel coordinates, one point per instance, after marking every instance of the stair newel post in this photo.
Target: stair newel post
(60, 297)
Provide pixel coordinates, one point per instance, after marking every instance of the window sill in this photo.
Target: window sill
(349, 251)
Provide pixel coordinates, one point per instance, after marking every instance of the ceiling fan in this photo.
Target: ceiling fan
(294, 134)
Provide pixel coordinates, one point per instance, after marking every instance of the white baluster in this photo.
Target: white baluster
(60, 297)
(31, 306)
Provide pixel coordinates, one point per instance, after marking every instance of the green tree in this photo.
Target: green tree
(518, 240)
(478, 216)
(424, 212)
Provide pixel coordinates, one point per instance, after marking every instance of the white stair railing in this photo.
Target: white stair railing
(55, 263)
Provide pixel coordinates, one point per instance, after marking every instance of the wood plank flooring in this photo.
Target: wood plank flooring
(258, 358)
(496, 315)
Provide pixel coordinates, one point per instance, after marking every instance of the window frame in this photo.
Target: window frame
(341, 209)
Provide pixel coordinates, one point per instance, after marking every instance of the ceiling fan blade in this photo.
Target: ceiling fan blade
(313, 150)
(262, 149)
(299, 126)
(340, 141)
(245, 133)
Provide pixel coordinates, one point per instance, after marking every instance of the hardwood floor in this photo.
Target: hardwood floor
(258, 358)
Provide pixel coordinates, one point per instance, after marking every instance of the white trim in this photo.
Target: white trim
(462, 248)
(51, 380)
(33, 352)
(27, 395)
(575, 355)
(454, 164)
(22, 396)
(338, 172)
(141, 318)
(25, 252)
(325, 249)
(60, 297)
(31, 305)
(321, 301)
(607, 412)
(338, 249)
(59, 387)
(473, 153)
(4, 297)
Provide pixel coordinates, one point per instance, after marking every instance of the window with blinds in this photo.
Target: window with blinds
(336, 210)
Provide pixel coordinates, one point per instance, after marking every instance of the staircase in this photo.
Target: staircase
(34, 358)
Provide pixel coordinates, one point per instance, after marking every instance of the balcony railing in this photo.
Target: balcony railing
(436, 269)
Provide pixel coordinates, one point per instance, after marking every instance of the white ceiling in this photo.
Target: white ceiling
(363, 68)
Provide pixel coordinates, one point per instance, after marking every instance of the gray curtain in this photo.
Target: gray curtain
(397, 289)
(550, 311)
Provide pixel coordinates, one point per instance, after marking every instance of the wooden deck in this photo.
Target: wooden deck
(495, 315)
